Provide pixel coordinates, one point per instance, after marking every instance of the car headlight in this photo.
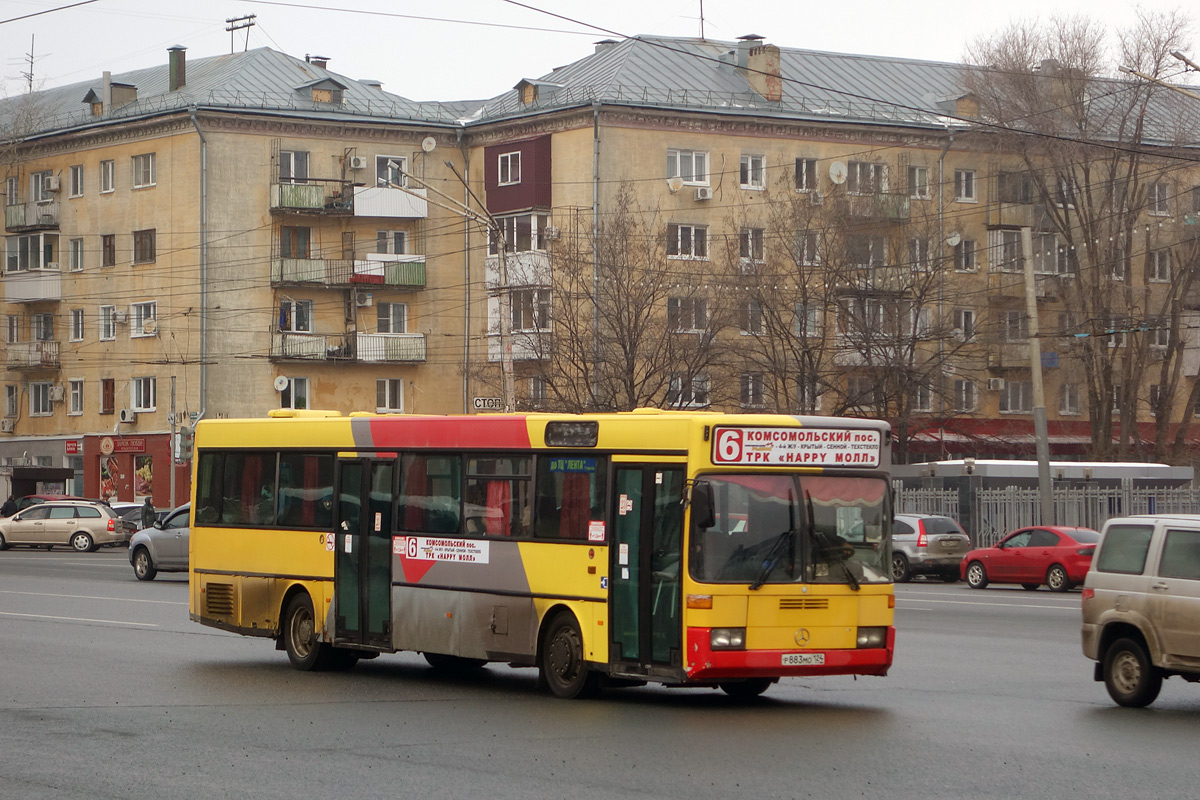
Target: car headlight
(728, 639)
(872, 637)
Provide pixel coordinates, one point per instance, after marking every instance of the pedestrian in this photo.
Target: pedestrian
(148, 514)
(9, 508)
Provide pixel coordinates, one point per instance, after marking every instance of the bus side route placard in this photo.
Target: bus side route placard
(818, 447)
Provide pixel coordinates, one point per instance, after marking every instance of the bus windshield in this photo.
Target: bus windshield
(771, 529)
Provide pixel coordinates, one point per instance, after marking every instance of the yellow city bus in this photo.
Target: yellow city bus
(689, 549)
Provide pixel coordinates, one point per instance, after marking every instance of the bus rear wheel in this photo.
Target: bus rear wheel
(562, 665)
(300, 635)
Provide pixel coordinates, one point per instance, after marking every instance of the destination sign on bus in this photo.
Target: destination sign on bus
(817, 447)
(433, 548)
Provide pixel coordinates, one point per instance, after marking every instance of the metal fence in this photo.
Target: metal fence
(988, 514)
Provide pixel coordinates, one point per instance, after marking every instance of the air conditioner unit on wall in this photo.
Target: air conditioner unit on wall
(56, 394)
(7, 425)
(363, 299)
(120, 316)
(127, 415)
(996, 384)
(52, 183)
(358, 162)
(704, 193)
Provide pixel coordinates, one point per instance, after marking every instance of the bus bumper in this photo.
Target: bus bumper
(706, 664)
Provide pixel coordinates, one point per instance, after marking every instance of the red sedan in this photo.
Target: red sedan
(1053, 555)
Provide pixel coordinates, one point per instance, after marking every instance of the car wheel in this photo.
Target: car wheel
(561, 665)
(1057, 580)
(4, 545)
(976, 575)
(82, 543)
(300, 635)
(747, 689)
(143, 565)
(1030, 587)
(454, 664)
(900, 571)
(1130, 678)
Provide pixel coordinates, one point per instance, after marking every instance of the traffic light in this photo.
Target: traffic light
(187, 438)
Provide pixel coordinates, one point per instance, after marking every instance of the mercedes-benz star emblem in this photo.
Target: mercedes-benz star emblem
(802, 636)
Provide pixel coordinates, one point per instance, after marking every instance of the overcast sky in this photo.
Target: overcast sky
(472, 49)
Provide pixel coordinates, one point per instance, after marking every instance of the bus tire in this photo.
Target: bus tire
(304, 650)
(747, 689)
(562, 666)
(453, 664)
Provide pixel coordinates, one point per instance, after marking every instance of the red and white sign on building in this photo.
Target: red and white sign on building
(72, 447)
(816, 447)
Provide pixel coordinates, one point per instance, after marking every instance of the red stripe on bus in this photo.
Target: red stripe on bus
(461, 431)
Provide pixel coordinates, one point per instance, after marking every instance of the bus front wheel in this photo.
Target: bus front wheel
(300, 635)
(747, 689)
(562, 665)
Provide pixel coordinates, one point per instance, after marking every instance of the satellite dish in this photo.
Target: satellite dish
(428, 143)
(953, 239)
(149, 326)
(281, 383)
(675, 184)
(837, 172)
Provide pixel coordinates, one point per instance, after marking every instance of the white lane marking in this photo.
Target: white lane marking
(80, 619)
(95, 597)
(1074, 609)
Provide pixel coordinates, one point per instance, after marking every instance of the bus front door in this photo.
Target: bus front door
(362, 574)
(647, 554)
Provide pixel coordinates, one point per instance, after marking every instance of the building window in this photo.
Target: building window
(685, 392)
(752, 172)
(143, 246)
(538, 391)
(866, 250)
(12, 400)
(807, 324)
(1006, 250)
(40, 404)
(143, 170)
(919, 255)
(107, 172)
(14, 328)
(108, 396)
(752, 318)
(1160, 266)
(965, 190)
(918, 183)
(964, 256)
(43, 327)
(1158, 332)
(145, 319)
(389, 395)
(108, 250)
(295, 316)
(964, 395)
(75, 255)
(391, 171)
(687, 241)
(391, 242)
(75, 396)
(923, 399)
(531, 310)
(1049, 257)
(142, 394)
(295, 394)
(522, 233)
(108, 323)
(751, 244)
(76, 324)
(293, 166)
(1014, 326)
(687, 313)
(1156, 397)
(392, 318)
(40, 190)
(1016, 397)
(806, 175)
(752, 390)
(691, 165)
(964, 323)
(11, 196)
(1068, 399)
(1159, 198)
(509, 169)
(295, 241)
(865, 177)
(77, 180)
(806, 248)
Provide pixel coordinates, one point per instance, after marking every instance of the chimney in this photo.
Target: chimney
(604, 44)
(744, 44)
(317, 61)
(178, 67)
(764, 74)
(106, 91)
(373, 83)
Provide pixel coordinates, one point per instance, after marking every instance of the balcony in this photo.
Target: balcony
(526, 346)
(38, 216)
(339, 198)
(527, 268)
(375, 348)
(1006, 355)
(367, 348)
(33, 286)
(32, 355)
(1016, 215)
(893, 207)
(380, 269)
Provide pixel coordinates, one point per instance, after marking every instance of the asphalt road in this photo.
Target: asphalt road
(107, 690)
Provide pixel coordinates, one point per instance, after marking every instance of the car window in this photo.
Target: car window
(37, 512)
(941, 525)
(1124, 549)
(1018, 540)
(1043, 538)
(87, 512)
(61, 512)
(1181, 555)
(1085, 535)
(898, 526)
(177, 521)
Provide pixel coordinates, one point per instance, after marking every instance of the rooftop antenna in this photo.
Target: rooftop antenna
(239, 23)
(701, 19)
(28, 76)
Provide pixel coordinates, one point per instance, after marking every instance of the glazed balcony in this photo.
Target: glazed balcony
(33, 286)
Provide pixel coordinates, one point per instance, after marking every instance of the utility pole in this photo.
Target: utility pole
(1040, 434)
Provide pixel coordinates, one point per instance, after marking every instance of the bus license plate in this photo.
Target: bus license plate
(803, 659)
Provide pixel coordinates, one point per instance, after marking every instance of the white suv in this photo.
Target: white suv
(1141, 605)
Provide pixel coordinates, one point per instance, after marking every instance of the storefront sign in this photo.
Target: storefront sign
(109, 445)
(72, 447)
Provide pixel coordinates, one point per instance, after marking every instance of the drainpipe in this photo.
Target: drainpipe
(942, 272)
(595, 253)
(466, 387)
(203, 264)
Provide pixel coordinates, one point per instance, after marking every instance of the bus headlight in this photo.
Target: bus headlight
(728, 639)
(872, 637)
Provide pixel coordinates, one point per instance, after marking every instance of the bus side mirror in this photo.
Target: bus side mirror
(702, 505)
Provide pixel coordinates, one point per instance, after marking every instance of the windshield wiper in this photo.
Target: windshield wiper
(773, 557)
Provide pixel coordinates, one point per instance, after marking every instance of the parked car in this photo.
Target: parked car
(924, 544)
(163, 548)
(34, 499)
(1141, 605)
(81, 524)
(132, 513)
(1053, 555)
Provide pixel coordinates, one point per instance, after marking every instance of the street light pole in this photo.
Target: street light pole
(1040, 433)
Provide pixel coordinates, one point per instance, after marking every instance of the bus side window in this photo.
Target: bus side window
(430, 493)
(569, 496)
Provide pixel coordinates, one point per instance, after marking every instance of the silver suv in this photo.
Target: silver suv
(924, 544)
(1141, 605)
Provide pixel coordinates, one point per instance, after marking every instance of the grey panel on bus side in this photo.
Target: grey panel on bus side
(468, 624)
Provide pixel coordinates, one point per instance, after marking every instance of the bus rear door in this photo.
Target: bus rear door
(362, 575)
